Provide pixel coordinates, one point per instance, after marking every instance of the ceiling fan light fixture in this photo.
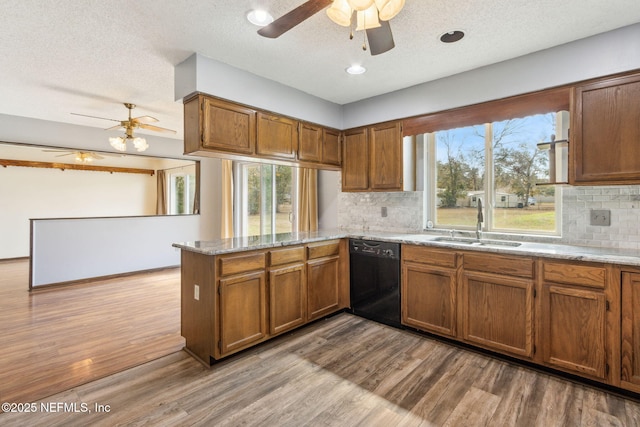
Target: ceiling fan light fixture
(118, 143)
(387, 9)
(367, 19)
(140, 144)
(340, 12)
(360, 5)
(259, 17)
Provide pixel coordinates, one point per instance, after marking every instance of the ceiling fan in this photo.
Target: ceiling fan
(142, 122)
(83, 156)
(370, 15)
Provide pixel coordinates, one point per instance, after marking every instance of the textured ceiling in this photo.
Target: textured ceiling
(89, 56)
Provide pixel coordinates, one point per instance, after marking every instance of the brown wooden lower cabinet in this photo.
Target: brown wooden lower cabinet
(288, 298)
(429, 298)
(630, 339)
(322, 286)
(243, 311)
(573, 329)
(574, 309)
(498, 312)
(233, 301)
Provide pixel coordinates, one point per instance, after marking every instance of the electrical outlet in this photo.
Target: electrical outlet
(196, 292)
(383, 211)
(600, 217)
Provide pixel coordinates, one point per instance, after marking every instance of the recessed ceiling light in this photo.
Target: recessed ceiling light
(259, 17)
(356, 69)
(451, 36)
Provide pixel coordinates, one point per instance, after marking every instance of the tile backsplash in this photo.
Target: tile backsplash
(363, 211)
(624, 203)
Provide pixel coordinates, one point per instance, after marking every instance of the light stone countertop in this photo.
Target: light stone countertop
(547, 250)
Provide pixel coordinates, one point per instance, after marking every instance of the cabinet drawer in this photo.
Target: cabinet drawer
(324, 249)
(286, 256)
(507, 266)
(430, 256)
(594, 276)
(242, 263)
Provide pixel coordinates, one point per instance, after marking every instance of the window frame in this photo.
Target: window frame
(241, 198)
(543, 102)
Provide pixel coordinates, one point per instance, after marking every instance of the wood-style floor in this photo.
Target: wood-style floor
(56, 339)
(341, 371)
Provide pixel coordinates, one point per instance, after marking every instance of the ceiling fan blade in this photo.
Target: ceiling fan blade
(289, 20)
(155, 128)
(115, 127)
(62, 155)
(144, 119)
(380, 39)
(94, 117)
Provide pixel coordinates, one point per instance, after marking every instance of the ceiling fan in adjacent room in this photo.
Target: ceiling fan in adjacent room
(82, 156)
(129, 125)
(370, 15)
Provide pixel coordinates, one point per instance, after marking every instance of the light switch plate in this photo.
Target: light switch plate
(196, 292)
(600, 217)
(383, 211)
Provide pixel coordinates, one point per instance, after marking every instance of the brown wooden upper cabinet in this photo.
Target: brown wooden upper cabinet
(219, 128)
(277, 136)
(372, 158)
(605, 132)
(331, 152)
(319, 145)
(213, 124)
(355, 162)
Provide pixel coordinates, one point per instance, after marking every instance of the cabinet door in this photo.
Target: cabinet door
(323, 286)
(498, 313)
(355, 162)
(630, 364)
(573, 329)
(288, 298)
(243, 311)
(331, 152)
(605, 132)
(429, 298)
(309, 143)
(228, 127)
(386, 157)
(277, 136)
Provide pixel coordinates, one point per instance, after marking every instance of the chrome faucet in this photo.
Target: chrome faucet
(480, 220)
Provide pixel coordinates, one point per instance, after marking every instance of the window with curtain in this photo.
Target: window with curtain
(266, 198)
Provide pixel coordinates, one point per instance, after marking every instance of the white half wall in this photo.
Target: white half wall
(66, 250)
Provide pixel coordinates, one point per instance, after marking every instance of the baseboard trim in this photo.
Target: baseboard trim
(91, 280)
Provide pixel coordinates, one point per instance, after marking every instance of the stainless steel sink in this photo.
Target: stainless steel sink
(475, 242)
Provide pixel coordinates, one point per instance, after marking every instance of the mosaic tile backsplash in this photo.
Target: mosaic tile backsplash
(363, 211)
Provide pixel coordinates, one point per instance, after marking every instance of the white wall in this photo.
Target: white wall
(74, 249)
(606, 53)
(202, 74)
(28, 193)
(328, 192)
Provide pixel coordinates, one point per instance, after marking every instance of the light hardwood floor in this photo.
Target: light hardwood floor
(52, 340)
(341, 371)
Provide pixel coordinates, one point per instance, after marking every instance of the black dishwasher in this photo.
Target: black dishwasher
(375, 280)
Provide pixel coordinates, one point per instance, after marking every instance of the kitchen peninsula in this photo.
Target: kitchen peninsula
(566, 308)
